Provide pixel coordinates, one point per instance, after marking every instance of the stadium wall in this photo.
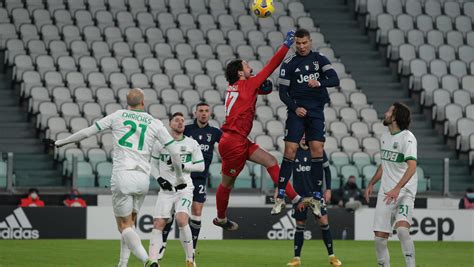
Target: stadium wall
(428, 224)
(255, 223)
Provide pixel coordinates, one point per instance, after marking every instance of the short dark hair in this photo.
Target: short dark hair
(232, 71)
(176, 114)
(202, 104)
(300, 33)
(31, 190)
(402, 115)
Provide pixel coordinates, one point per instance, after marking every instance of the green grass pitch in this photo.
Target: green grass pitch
(228, 253)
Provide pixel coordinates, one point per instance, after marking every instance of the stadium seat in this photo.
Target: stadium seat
(339, 159)
(111, 108)
(160, 81)
(441, 98)
(69, 110)
(154, 36)
(212, 97)
(338, 129)
(83, 95)
(67, 158)
(74, 80)
(30, 79)
(350, 144)
(38, 94)
(348, 115)
(371, 145)
(331, 145)
(158, 111)
(190, 98)
(96, 80)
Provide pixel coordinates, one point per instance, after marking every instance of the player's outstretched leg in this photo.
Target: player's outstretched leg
(280, 204)
(222, 202)
(134, 242)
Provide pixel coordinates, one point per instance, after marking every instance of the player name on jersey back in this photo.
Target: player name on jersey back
(134, 133)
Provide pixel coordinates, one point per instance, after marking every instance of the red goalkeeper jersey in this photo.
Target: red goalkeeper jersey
(241, 97)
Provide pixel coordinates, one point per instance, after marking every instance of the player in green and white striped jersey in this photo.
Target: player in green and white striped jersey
(396, 197)
(175, 196)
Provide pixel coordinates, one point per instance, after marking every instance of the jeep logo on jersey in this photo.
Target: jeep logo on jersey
(285, 229)
(204, 147)
(302, 168)
(17, 226)
(306, 78)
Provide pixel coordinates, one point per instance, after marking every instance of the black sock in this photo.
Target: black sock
(327, 238)
(317, 171)
(286, 169)
(167, 230)
(299, 238)
(195, 229)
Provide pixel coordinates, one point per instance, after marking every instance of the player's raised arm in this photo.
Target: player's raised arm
(197, 165)
(274, 62)
(100, 125)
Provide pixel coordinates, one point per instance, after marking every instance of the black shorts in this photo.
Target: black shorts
(303, 215)
(313, 128)
(200, 190)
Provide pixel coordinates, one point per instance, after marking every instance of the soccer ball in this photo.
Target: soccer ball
(263, 8)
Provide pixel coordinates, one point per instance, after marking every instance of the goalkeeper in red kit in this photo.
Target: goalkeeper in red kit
(235, 147)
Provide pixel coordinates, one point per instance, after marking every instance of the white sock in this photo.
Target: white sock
(134, 243)
(124, 253)
(381, 249)
(408, 248)
(161, 251)
(156, 242)
(186, 238)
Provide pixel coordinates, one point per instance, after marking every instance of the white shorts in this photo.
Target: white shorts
(129, 189)
(386, 216)
(169, 203)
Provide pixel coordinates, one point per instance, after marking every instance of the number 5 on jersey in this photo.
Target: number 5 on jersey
(230, 99)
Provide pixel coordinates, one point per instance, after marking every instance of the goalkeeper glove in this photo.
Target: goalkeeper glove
(290, 38)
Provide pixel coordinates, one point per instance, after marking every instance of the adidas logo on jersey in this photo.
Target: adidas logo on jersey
(17, 226)
(285, 229)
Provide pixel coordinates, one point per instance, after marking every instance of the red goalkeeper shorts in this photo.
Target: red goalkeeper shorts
(235, 150)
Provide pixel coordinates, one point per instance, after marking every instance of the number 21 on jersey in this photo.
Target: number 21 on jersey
(230, 99)
(133, 128)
